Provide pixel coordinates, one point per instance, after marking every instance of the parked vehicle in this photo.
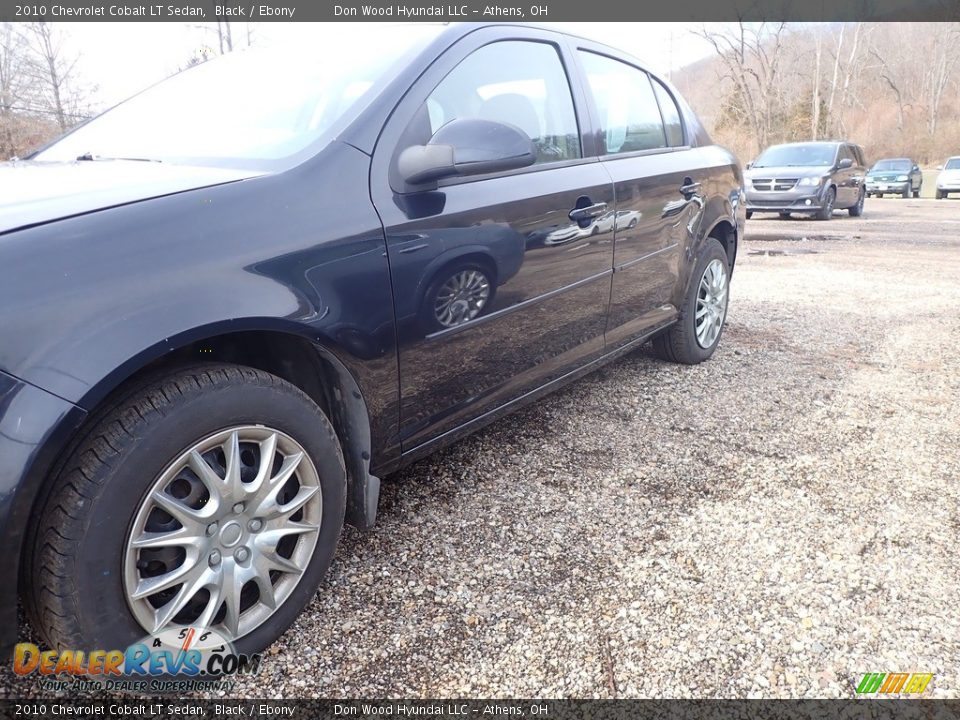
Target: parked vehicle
(948, 181)
(901, 176)
(229, 305)
(813, 178)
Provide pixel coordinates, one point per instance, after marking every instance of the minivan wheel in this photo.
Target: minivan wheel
(696, 334)
(826, 212)
(211, 497)
(857, 209)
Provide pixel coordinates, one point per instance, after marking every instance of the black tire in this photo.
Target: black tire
(76, 595)
(826, 212)
(857, 209)
(428, 316)
(879, 195)
(749, 214)
(678, 343)
(785, 216)
(941, 195)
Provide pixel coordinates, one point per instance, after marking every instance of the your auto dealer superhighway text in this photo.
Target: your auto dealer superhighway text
(164, 11)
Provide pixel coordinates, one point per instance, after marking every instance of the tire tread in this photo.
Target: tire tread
(54, 564)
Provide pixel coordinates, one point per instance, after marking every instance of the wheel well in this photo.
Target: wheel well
(725, 233)
(314, 371)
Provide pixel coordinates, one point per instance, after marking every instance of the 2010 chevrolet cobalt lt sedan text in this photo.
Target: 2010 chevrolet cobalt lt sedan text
(233, 302)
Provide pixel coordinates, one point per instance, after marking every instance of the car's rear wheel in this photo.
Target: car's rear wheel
(826, 211)
(749, 214)
(941, 195)
(856, 210)
(784, 216)
(212, 497)
(696, 334)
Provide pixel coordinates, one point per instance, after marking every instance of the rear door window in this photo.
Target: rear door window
(672, 124)
(629, 115)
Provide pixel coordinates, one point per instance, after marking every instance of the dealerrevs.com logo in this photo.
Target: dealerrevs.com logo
(894, 683)
(179, 659)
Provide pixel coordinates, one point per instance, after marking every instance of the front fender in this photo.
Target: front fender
(85, 302)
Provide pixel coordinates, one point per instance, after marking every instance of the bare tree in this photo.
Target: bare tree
(53, 72)
(894, 82)
(940, 62)
(836, 73)
(750, 54)
(13, 87)
(851, 70)
(815, 107)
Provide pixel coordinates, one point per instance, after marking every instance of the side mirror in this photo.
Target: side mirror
(844, 164)
(468, 146)
(748, 165)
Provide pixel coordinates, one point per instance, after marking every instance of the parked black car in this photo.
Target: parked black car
(812, 178)
(230, 304)
(900, 176)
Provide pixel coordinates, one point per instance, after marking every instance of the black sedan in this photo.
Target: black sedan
(232, 303)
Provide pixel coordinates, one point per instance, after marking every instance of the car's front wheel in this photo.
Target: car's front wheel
(211, 497)
(696, 334)
(826, 210)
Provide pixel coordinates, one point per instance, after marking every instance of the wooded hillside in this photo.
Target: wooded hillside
(894, 88)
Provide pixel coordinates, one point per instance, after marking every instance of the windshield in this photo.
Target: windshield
(249, 108)
(952, 164)
(804, 155)
(892, 165)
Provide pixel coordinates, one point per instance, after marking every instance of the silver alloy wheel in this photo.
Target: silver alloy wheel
(461, 298)
(225, 533)
(711, 303)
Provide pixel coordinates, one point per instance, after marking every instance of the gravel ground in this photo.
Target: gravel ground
(773, 523)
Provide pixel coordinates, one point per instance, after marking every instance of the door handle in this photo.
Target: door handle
(588, 213)
(689, 188)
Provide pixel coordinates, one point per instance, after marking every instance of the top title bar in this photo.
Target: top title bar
(513, 11)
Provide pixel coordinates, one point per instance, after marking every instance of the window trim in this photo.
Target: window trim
(654, 80)
(581, 120)
(581, 47)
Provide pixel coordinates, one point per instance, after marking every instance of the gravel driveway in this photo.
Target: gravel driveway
(775, 522)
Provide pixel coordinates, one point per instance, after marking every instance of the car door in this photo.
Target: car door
(640, 137)
(540, 281)
(847, 179)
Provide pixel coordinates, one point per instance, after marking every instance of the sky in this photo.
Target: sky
(121, 59)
